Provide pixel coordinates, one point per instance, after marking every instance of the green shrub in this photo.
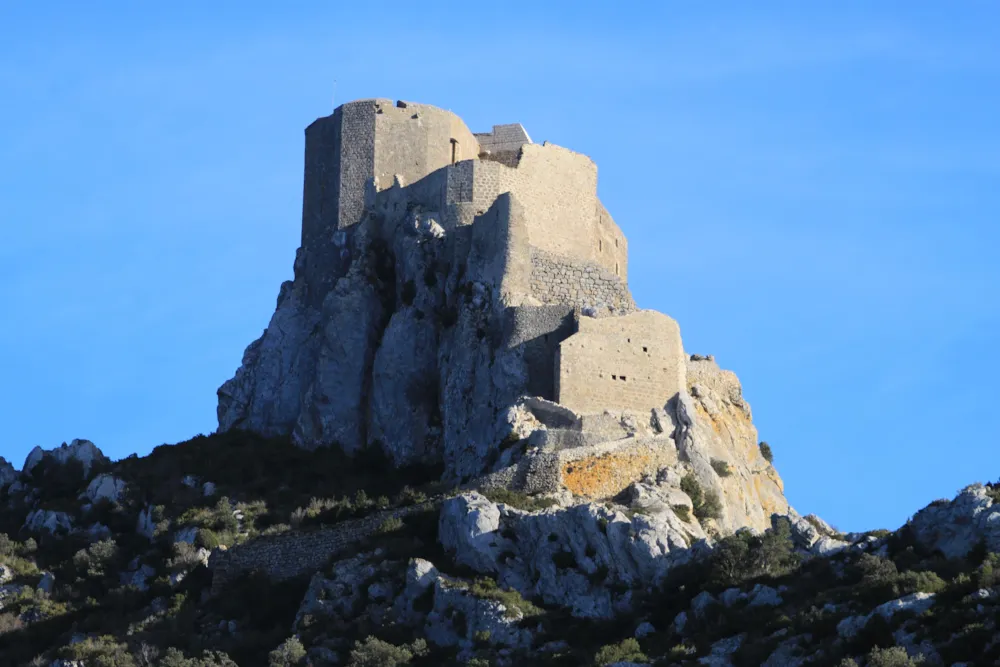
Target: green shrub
(683, 512)
(289, 654)
(96, 560)
(103, 651)
(690, 486)
(374, 652)
(521, 501)
(744, 556)
(721, 468)
(514, 603)
(626, 651)
(890, 657)
(710, 508)
(390, 525)
(765, 451)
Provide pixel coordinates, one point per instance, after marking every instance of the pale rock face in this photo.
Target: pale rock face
(7, 473)
(105, 487)
(405, 388)
(335, 399)
(208, 489)
(917, 603)
(469, 525)
(145, 525)
(450, 596)
(6, 574)
(956, 527)
(568, 557)
(83, 451)
(713, 421)
(764, 596)
(49, 521)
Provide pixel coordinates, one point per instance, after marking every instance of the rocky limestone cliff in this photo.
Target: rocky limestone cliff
(419, 331)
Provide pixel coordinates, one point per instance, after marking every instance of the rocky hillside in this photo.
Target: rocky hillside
(169, 560)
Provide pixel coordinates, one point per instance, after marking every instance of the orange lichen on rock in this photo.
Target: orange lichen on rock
(606, 475)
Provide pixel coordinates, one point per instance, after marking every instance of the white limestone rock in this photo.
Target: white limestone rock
(335, 398)
(145, 524)
(568, 557)
(49, 521)
(404, 393)
(468, 526)
(83, 451)
(712, 421)
(956, 527)
(208, 489)
(265, 395)
(339, 592)
(917, 603)
(6, 574)
(105, 487)
(764, 596)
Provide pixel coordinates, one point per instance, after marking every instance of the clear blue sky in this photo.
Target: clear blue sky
(811, 189)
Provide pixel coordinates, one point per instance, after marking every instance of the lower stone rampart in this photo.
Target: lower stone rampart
(557, 279)
(288, 555)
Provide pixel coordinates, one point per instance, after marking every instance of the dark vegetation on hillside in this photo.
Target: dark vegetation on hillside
(278, 487)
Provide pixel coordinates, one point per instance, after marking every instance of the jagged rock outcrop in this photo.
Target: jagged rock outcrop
(104, 487)
(8, 473)
(571, 557)
(474, 313)
(49, 521)
(83, 451)
(957, 526)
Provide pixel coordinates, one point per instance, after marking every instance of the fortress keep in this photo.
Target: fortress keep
(567, 249)
(461, 299)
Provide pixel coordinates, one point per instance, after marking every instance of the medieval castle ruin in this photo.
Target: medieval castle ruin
(563, 248)
(460, 299)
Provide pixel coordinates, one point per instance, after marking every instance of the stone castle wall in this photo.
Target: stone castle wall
(295, 553)
(635, 362)
(557, 279)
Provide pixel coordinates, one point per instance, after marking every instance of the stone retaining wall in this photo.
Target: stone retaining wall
(295, 553)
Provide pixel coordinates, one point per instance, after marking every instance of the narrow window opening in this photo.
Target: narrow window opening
(454, 150)
(623, 378)
(645, 349)
(600, 245)
(616, 243)
(616, 269)
(614, 377)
